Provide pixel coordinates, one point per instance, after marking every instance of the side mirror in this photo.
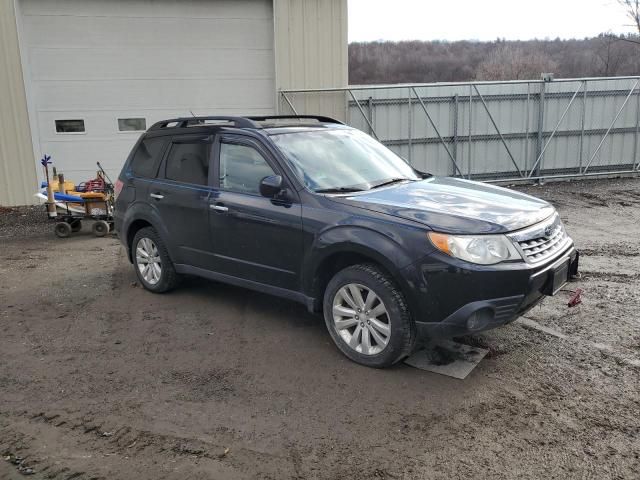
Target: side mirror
(271, 186)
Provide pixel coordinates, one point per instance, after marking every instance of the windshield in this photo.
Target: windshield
(342, 160)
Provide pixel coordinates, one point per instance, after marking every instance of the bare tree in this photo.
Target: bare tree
(609, 55)
(438, 61)
(507, 62)
(632, 8)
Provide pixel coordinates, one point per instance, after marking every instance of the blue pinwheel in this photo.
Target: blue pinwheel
(46, 160)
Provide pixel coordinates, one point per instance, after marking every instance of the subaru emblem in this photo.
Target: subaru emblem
(548, 230)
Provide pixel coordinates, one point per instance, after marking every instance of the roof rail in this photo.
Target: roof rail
(319, 118)
(240, 122)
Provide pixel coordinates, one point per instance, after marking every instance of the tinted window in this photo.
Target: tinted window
(132, 124)
(242, 168)
(188, 163)
(147, 157)
(69, 126)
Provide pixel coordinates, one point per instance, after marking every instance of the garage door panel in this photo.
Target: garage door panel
(171, 94)
(77, 160)
(126, 32)
(150, 8)
(149, 63)
(100, 60)
(103, 125)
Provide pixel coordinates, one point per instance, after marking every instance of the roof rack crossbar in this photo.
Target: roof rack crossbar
(240, 122)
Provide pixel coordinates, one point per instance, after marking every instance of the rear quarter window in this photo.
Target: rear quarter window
(147, 158)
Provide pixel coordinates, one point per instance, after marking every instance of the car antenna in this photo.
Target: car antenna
(193, 115)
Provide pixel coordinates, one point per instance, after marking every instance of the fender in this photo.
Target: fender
(366, 241)
(141, 211)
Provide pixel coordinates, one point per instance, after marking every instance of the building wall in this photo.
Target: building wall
(17, 165)
(102, 60)
(307, 48)
(311, 50)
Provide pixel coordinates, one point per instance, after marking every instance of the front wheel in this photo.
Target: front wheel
(153, 266)
(367, 316)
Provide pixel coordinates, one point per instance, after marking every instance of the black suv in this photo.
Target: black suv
(312, 210)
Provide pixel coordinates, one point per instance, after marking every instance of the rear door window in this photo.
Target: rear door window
(147, 158)
(188, 163)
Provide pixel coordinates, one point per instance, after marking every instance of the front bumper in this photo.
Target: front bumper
(454, 299)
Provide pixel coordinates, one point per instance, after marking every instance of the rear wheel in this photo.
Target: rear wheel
(100, 228)
(153, 266)
(367, 316)
(62, 229)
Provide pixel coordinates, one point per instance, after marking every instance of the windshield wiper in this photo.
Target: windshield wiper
(339, 190)
(389, 182)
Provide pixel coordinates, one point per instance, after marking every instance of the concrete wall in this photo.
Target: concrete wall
(17, 165)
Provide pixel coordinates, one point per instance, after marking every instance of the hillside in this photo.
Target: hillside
(437, 61)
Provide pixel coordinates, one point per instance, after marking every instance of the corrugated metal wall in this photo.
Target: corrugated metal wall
(499, 130)
(17, 165)
(311, 49)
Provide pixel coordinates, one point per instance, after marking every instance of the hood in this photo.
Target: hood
(453, 205)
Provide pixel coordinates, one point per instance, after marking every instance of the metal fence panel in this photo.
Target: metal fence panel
(494, 130)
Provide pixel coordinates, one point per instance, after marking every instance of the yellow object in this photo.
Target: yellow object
(87, 195)
(68, 186)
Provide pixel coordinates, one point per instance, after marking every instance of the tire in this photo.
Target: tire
(395, 318)
(148, 240)
(76, 226)
(100, 228)
(62, 229)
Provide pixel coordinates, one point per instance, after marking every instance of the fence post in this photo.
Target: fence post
(582, 123)
(526, 131)
(370, 113)
(409, 156)
(455, 132)
(636, 160)
(470, 137)
(543, 87)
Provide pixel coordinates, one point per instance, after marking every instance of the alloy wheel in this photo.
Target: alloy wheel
(148, 261)
(361, 319)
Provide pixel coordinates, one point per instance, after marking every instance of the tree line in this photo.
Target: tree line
(440, 61)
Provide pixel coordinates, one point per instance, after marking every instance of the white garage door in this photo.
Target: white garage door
(99, 70)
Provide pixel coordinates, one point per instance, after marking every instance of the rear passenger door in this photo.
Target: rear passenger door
(180, 194)
(253, 237)
(142, 169)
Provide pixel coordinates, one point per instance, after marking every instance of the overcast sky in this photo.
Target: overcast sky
(482, 19)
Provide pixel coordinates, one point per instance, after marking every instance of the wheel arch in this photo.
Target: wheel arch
(138, 219)
(355, 246)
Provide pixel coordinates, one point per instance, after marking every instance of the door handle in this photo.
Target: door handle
(157, 196)
(218, 208)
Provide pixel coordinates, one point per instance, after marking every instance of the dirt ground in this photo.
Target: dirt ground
(100, 379)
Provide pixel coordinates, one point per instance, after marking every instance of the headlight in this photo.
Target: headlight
(480, 249)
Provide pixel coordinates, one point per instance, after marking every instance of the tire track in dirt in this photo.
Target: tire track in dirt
(21, 436)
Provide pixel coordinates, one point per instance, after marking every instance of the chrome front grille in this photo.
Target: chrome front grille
(542, 241)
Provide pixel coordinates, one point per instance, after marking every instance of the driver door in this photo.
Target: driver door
(253, 237)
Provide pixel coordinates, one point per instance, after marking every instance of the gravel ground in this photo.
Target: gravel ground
(100, 379)
(24, 222)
